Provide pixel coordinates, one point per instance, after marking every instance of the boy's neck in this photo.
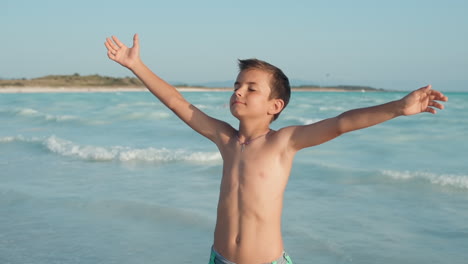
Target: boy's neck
(249, 130)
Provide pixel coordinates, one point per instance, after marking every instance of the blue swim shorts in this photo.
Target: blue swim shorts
(216, 258)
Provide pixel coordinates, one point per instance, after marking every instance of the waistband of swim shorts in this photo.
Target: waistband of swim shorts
(222, 260)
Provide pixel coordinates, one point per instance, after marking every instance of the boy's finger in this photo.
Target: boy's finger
(436, 105)
(110, 55)
(136, 40)
(438, 96)
(425, 88)
(111, 44)
(107, 45)
(430, 110)
(442, 97)
(117, 41)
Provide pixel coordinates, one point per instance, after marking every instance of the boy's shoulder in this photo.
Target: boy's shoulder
(283, 135)
(285, 131)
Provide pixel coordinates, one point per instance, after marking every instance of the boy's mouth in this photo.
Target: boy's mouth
(237, 102)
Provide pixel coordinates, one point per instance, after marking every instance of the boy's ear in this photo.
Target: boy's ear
(276, 107)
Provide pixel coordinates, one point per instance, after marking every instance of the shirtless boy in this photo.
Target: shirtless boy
(256, 159)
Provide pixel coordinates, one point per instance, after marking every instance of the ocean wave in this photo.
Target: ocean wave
(152, 212)
(29, 112)
(302, 120)
(155, 115)
(7, 139)
(446, 180)
(112, 208)
(202, 106)
(150, 104)
(19, 139)
(331, 108)
(115, 153)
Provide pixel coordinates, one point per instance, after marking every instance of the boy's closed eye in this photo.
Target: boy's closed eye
(250, 89)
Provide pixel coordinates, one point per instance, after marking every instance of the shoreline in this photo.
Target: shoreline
(96, 89)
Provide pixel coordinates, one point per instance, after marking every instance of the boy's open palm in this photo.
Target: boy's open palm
(422, 100)
(118, 52)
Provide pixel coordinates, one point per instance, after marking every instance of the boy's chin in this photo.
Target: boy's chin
(236, 115)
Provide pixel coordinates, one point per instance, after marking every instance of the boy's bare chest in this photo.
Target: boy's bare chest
(251, 157)
(255, 166)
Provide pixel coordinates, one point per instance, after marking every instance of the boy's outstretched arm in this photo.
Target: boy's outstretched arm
(166, 93)
(419, 101)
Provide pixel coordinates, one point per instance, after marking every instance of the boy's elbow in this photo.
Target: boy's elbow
(342, 126)
(175, 103)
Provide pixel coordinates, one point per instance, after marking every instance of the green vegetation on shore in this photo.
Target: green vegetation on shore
(357, 88)
(95, 80)
(74, 80)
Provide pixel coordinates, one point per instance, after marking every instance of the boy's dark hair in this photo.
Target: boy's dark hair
(279, 83)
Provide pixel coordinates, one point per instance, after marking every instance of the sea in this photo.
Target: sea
(115, 177)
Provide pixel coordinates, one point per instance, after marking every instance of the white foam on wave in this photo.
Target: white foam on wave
(18, 138)
(302, 120)
(68, 148)
(115, 153)
(449, 180)
(147, 116)
(28, 112)
(331, 108)
(136, 104)
(125, 154)
(202, 106)
(7, 139)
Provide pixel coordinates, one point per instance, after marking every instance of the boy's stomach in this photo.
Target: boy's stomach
(248, 234)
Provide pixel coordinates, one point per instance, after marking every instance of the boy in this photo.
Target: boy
(256, 159)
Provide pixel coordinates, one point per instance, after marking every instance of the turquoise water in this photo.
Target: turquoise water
(116, 178)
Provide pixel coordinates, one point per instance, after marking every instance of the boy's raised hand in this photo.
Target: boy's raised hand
(118, 52)
(422, 100)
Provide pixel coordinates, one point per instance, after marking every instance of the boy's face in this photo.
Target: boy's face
(251, 97)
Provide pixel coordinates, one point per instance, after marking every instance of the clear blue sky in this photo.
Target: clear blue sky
(387, 44)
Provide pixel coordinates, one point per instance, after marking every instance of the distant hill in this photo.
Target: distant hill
(74, 80)
(95, 80)
(356, 88)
